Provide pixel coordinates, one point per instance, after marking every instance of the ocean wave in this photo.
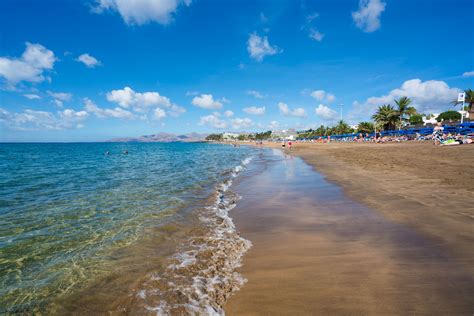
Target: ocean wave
(202, 275)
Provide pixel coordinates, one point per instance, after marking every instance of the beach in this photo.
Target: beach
(359, 229)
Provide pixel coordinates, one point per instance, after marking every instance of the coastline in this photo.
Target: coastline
(406, 269)
(417, 184)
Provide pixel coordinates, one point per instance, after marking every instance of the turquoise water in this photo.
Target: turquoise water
(66, 210)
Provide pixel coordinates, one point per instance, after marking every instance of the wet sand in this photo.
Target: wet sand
(316, 250)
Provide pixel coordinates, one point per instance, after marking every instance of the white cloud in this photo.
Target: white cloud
(316, 35)
(29, 120)
(259, 47)
(322, 95)
(159, 113)
(254, 110)
(367, 18)
(213, 120)
(63, 96)
(430, 96)
(273, 125)
(191, 93)
(286, 111)
(468, 74)
(30, 67)
(325, 113)
(176, 110)
(60, 97)
(104, 113)
(228, 113)
(141, 102)
(88, 60)
(32, 96)
(206, 101)
(239, 123)
(142, 11)
(255, 94)
(311, 17)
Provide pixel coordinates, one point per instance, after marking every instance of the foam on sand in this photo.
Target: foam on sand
(202, 275)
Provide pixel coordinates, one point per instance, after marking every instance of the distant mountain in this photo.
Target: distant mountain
(162, 138)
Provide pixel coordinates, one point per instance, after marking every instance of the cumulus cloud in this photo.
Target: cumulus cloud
(229, 113)
(255, 94)
(206, 101)
(176, 110)
(316, 35)
(468, 74)
(367, 18)
(32, 96)
(30, 120)
(117, 112)
(432, 96)
(30, 67)
(159, 113)
(239, 123)
(273, 125)
(254, 110)
(60, 97)
(140, 102)
(322, 95)
(140, 12)
(286, 111)
(325, 113)
(259, 47)
(213, 120)
(88, 60)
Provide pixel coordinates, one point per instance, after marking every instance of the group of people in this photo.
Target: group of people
(441, 139)
(288, 144)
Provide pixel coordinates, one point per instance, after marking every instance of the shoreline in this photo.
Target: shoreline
(426, 254)
(434, 195)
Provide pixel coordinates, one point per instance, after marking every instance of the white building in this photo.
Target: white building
(230, 136)
(431, 120)
(288, 134)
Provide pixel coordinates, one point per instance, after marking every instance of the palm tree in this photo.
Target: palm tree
(365, 127)
(469, 99)
(404, 108)
(386, 116)
(342, 128)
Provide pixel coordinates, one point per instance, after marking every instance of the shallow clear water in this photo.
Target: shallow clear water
(66, 210)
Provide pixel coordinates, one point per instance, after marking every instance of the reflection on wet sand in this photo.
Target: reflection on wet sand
(316, 251)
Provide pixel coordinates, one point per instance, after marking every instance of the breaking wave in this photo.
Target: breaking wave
(202, 275)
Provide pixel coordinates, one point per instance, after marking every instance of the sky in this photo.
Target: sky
(92, 70)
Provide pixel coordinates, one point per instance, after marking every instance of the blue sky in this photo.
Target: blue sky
(93, 70)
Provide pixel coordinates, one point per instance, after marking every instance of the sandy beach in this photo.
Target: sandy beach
(359, 229)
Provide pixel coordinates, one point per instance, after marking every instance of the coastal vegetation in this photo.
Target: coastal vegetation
(386, 117)
(449, 116)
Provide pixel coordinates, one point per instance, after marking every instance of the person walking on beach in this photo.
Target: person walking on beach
(290, 144)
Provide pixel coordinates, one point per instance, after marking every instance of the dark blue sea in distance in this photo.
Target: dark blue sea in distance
(69, 212)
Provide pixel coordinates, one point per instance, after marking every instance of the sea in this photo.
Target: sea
(119, 227)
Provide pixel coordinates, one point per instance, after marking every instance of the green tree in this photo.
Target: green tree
(416, 119)
(404, 108)
(342, 128)
(469, 100)
(386, 116)
(449, 116)
(242, 137)
(365, 127)
(214, 137)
